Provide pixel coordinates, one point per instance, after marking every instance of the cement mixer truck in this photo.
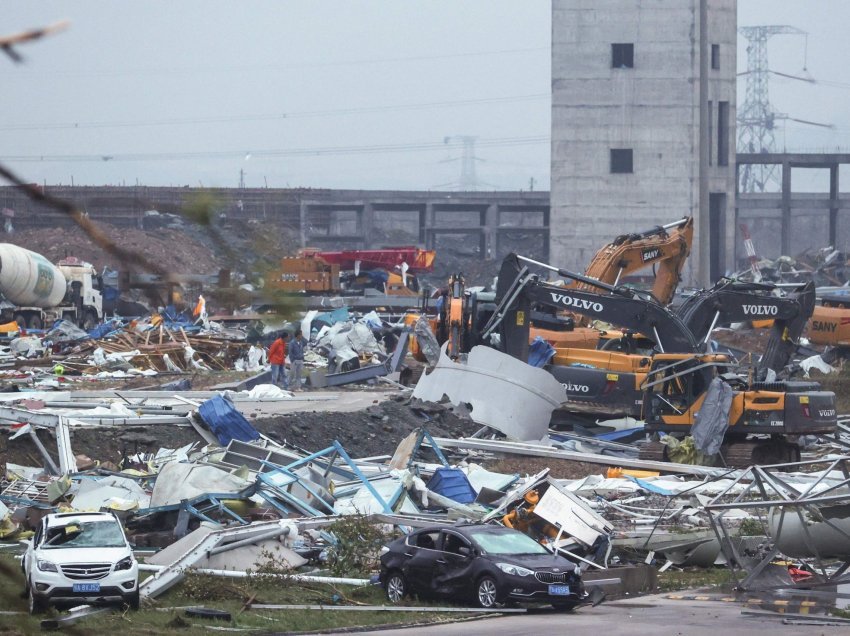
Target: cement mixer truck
(35, 292)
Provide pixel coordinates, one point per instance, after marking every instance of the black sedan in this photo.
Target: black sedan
(487, 564)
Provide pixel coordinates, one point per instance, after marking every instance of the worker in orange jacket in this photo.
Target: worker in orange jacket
(277, 358)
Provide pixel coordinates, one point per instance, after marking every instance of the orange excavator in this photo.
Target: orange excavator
(664, 248)
(830, 322)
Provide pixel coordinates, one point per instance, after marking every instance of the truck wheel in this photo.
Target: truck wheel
(21, 320)
(35, 322)
(89, 321)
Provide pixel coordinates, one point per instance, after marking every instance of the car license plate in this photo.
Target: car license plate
(559, 590)
(95, 587)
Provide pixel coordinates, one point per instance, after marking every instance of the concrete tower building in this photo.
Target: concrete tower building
(643, 125)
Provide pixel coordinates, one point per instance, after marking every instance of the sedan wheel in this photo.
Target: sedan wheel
(396, 587)
(487, 592)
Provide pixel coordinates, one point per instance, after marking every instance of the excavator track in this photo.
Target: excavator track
(737, 454)
(761, 452)
(653, 451)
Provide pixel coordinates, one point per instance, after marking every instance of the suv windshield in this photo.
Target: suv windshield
(86, 534)
(507, 543)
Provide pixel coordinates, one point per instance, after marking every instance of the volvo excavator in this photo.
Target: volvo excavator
(665, 248)
(731, 301)
(667, 386)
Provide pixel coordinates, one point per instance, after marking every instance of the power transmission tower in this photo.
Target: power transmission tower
(756, 117)
(468, 176)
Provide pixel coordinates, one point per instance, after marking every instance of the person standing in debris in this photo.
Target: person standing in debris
(277, 358)
(296, 360)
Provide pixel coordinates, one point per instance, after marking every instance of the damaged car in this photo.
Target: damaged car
(486, 564)
(80, 556)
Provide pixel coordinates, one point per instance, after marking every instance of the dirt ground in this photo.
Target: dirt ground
(376, 430)
(244, 248)
(174, 250)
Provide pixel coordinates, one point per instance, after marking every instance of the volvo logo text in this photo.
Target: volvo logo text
(576, 388)
(760, 310)
(827, 412)
(577, 303)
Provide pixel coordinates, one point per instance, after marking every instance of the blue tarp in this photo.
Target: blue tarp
(226, 422)
(106, 328)
(540, 352)
(452, 483)
(332, 317)
(376, 276)
(648, 485)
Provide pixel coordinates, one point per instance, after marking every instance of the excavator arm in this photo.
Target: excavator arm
(666, 248)
(519, 291)
(737, 301)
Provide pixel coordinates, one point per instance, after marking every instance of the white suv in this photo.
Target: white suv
(80, 556)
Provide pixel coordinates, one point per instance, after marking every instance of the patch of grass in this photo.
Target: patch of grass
(690, 578)
(751, 527)
(224, 594)
(357, 548)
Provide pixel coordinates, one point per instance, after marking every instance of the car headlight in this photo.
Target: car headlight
(516, 570)
(46, 566)
(124, 564)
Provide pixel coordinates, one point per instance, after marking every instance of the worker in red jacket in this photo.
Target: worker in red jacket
(277, 358)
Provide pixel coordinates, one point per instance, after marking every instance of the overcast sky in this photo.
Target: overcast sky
(342, 94)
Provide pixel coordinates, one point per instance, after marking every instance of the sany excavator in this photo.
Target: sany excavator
(664, 248)
(665, 388)
(830, 323)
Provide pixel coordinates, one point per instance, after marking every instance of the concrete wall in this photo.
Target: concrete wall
(652, 108)
(762, 213)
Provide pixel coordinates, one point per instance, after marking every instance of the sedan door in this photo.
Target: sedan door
(455, 565)
(421, 552)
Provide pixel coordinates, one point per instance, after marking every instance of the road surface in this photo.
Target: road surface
(645, 616)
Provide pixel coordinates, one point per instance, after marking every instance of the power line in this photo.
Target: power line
(287, 152)
(276, 116)
(756, 116)
(284, 67)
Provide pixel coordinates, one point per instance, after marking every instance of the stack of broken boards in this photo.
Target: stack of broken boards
(216, 353)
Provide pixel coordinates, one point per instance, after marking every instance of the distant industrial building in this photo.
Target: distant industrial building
(643, 125)
(484, 224)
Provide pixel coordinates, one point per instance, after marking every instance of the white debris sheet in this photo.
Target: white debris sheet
(178, 481)
(505, 393)
(247, 557)
(112, 492)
